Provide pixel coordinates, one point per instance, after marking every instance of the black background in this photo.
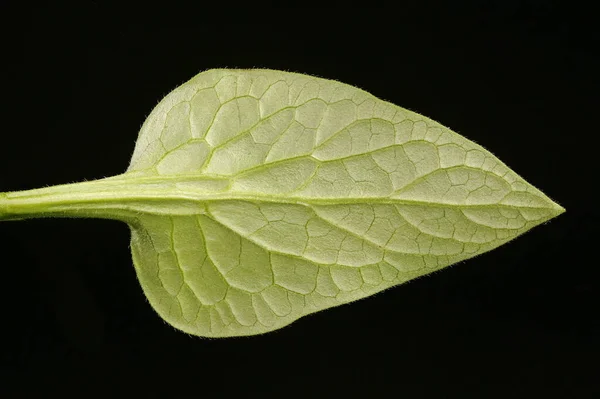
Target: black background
(518, 77)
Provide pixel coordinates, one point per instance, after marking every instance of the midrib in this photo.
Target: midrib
(110, 197)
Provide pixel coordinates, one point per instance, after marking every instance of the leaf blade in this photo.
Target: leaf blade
(333, 195)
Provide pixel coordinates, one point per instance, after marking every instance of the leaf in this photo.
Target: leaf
(256, 197)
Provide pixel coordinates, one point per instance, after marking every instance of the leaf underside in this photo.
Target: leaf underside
(304, 194)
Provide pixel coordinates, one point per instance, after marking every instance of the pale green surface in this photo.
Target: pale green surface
(256, 197)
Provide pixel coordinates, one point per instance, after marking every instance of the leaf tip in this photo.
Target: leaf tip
(557, 209)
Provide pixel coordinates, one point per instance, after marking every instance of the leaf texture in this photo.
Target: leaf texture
(302, 194)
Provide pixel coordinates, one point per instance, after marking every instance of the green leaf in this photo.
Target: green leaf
(256, 197)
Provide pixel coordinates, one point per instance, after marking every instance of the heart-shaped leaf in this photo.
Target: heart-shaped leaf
(256, 197)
